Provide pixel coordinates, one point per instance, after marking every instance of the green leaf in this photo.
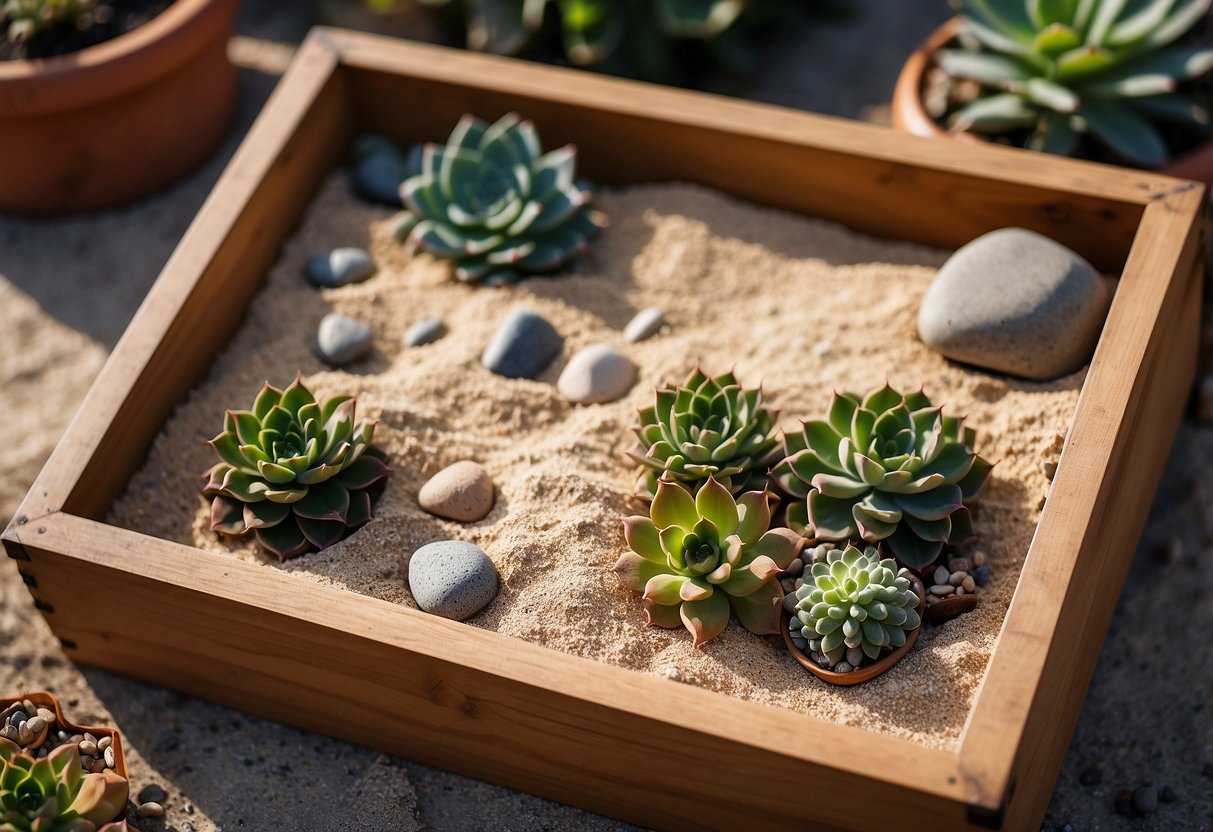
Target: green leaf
(1055, 134)
(1138, 25)
(714, 503)
(363, 472)
(932, 531)
(642, 538)
(1126, 133)
(1051, 95)
(673, 506)
(1009, 16)
(911, 550)
(327, 501)
(702, 19)
(274, 473)
(830, 518)
(284, 540)
(634, 571)
(295, 396)
(360, 509)
(266, 399)
(1083, 61)
(1046, 12)
(996, 114)
(1106, 14)
(972, 482)
(1174, 107)
(758, 611)
(227, 515)
(665, 589)
(707, 618)
(264, 514)
(1182, 18)
(591, 30)
(1056, 39)
(993, 70)
(321, 533)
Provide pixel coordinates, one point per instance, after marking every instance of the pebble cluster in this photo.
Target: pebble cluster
(32, 728)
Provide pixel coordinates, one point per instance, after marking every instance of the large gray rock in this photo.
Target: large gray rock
(452, 578)
(341, 266)
(523, 346)
(340, 339)
(1016, 302)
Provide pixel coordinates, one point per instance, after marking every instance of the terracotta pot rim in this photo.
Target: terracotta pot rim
(867, 671)
(50, 701)
(911, 117)
(40, 85)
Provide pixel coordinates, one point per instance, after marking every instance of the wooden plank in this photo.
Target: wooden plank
(1127, 415)
(197, 302)
(463, 698)
(867, 177)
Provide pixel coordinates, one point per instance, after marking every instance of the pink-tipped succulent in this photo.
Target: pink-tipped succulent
(696, 559)
(54, 794)
(297, 473)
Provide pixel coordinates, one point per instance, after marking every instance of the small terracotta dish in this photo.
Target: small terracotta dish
(868, 671)
(48, 701)
(950, 607)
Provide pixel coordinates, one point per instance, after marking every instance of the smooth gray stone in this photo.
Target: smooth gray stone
(452, 578)
(425, 331)
(523, 347)
(645, 324)
(597, 374)
(339, 267)
(1015, 302)
(340, 339)
(380, 167)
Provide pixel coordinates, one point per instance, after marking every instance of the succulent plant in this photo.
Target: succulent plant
(53, 794)
(493, 203)
(295, 472)
(1062, 69)
(855, 599)
(885, 467)
(26, 18)
(706, 427)
(695, 558)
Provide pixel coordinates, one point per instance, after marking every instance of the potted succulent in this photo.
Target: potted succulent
(115, 120)
(57, 775)
(1106, 81)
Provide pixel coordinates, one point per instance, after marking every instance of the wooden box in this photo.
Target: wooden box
(611, 740)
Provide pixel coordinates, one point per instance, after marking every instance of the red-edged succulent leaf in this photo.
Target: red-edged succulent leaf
(227, 516)
(363, 472)
(265, 514)
(758, 612)
(662, 615)
(707, 618)
(328, 500)
(286, 540)
(321, 533)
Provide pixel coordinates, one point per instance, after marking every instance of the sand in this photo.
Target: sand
(836, 310)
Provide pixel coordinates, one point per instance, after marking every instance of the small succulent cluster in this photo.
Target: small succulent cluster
(296, 472)
(495, 204)
(1071, 68)
(854, 599)
(706, 427)
(885, 467)
(696, 559)
(54, 794)
(24, 19)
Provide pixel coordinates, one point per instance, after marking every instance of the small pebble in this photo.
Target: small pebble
(968, 584)
(47, 715)
(98, 766)
(800, 642)
(942, 589)
(24, 735)
(152, 793)
(956, 578)
(88, 748)
(645, 324)
(86, 761)
(960, 590)
(789, 603)
(452, 578)
(17, 717)
(796, 567)
(981, 575)
(942, 574)
(1050, 468)
(959, 565)
(843, 667)
(523, 346)
(9, 732)
(463, 491)
(424, 331)
(823, 348)
(110, 760)
(979, 558)
(340, 339)
(1145, 799)
(339, 267)
(379, 168)
(597, 374)
(151, 809)
(88, 736)
(105, 742)
(788, 584)
(854, 656)
(29, 706)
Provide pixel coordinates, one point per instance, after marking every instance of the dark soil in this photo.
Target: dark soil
(109, 19)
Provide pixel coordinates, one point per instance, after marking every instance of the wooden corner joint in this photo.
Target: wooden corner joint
(987, 808)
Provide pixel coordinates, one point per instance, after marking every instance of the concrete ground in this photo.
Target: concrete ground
(67, 289)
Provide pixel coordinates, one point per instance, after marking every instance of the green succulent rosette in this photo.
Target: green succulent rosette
(24, 19)
(1066, 69)
(855, 599)
(706, 427)
(295, 472)
(883, 467)
(495, 205)
(696, 559)
(54, 794)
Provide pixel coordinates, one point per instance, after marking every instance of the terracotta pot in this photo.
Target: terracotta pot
(47, 700)
(868, 671)
(909, 115)
(118, 120)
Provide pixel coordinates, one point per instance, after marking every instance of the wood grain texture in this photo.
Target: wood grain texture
(602, 737)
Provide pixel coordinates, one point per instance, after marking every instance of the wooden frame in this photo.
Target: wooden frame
(505, 710)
